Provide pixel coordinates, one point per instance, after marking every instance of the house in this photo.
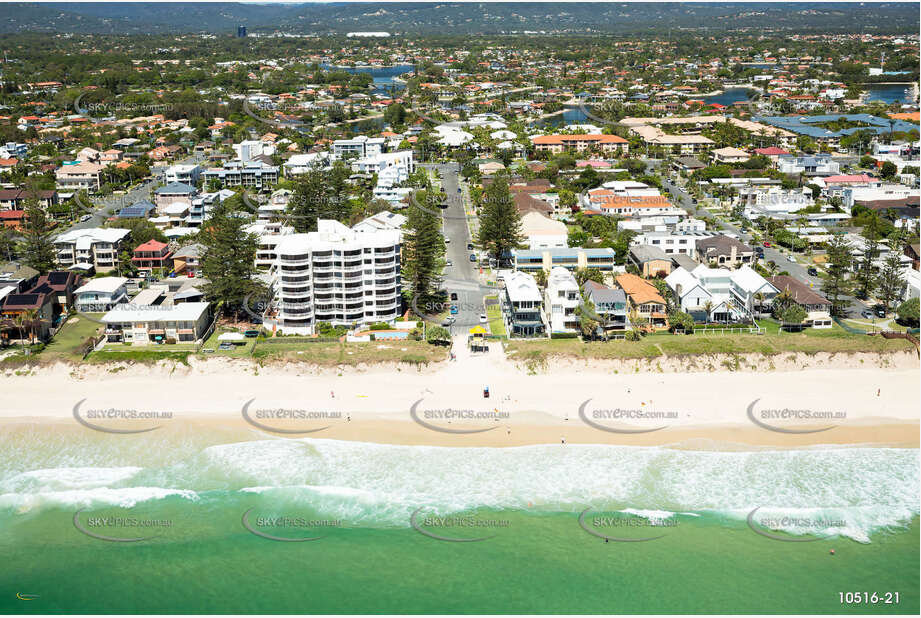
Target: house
(19, 277)
(185, 173)
(542, 232)
(59, 285)
(610, 305)
(688, 164)
(817, 307)
(651, 260)
(728, 155)
(187, 260)
(15, 199)
(172, 193)
(95, 246)
(572, 258)
(561, 298)
(521, 306)
(720, 294)
(143, 324)
(644, 298)
(255, 174)
(679, 241)
(101, 294)
(811, 165)
(724, 251)
(152, 254)
(79, 176)
(560, 143)
(18, 306)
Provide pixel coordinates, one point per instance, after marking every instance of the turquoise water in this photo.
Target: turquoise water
(376, 510)
(889, 93)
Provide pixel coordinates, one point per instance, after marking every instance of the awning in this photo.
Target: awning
(477, 330)
(231, 337)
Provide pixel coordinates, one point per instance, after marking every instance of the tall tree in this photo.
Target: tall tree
(228, 261)
(36, 248)
(866, 270)
(314, 198)
(500, 222)
(423, 248)
(891, 281)
(838, 265)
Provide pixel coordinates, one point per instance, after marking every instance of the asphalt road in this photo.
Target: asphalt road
(462, 276)
(796, 270)
(136, 194)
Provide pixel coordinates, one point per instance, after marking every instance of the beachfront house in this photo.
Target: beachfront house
(561, 298)
(817, 307)
(644, 298)
(521, 305)
(101, 294)
(185, 322)
(609, 306)
(720, 294)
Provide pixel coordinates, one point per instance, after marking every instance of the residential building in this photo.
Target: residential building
(561, 298)
(185, 173)
(729, 155)
(18, 276)
(811, 165)
(172, 193)
(720, 294)
(337, 275)
(644, 298)
(152, 254)
(187, 260)
(384, 220)
(572, 258)
(560, 143)
(95, 246)
(101, 294)
(651, 260)
(79, 176)
(817, 307)
(358, 147)
(253, 174)
(59, 285)
(672, 243)
(16, 305)
(185, 322)
(15, 199)
(543, 232)
(724, 251)
(610, 305)
(522, 305)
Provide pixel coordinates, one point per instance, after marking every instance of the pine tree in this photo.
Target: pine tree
(500, 222)
(423, 248)
(866, 270)
(837, 266)
(306, 204)
(891, 281)
(228, 261)
(36, 248)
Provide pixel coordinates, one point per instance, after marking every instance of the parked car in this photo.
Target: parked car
(225, 346)
(447, 240)
(453, 309)
(453, 295)
(473, 257)
(766, 243)
(812, 271)
(880, 311)
(85, 218)
(866, 313)
(483, 318)
(469, 246)
(449, 263)
(448, 321)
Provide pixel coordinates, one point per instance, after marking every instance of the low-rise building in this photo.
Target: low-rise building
(724, 251)
(152, 254)
(95, 246)
(644, 298)
(543, 232)
(561, 298)
(143, 324)
(77, 176)
(101, 294)
(610, 307)
(584, 142)
(522, 305)
(817, 307)
(572, 258)
(650, 260)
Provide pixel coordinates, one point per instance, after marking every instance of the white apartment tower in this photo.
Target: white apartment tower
(336, 275)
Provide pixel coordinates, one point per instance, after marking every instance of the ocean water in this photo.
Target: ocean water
(184, 519)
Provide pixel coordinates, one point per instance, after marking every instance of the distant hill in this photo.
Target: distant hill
(452, 17)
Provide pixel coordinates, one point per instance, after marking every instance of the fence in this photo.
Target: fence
(751, 330)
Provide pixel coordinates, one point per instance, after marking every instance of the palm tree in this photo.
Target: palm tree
(708, 307)
(759, 296)
(772, 267)
(32, 316)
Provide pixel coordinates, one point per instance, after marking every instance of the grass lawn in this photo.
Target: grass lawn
(496, 324)
(238, 351)
(140, 354)
(65, 346)
(339, 353)
(810, 341)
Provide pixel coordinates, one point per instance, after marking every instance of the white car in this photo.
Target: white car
(483, 318)
(447, 240)
(85, 218)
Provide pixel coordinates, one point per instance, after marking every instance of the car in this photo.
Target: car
(449, 263)
(812, 271)
(225, 346)
(458, 189)
(866, 313)
(473, 257)
(85, 218)
(447, 240)
(453, 309)
(880, 312)
(469, 246)
(453, 295)
(766, 243)
(483, 318)
(448, 321)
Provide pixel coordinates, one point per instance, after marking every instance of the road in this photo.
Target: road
(462, 277)
(136, 194)
(796, 270)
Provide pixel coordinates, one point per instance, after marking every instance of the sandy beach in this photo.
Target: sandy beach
(851, 400)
